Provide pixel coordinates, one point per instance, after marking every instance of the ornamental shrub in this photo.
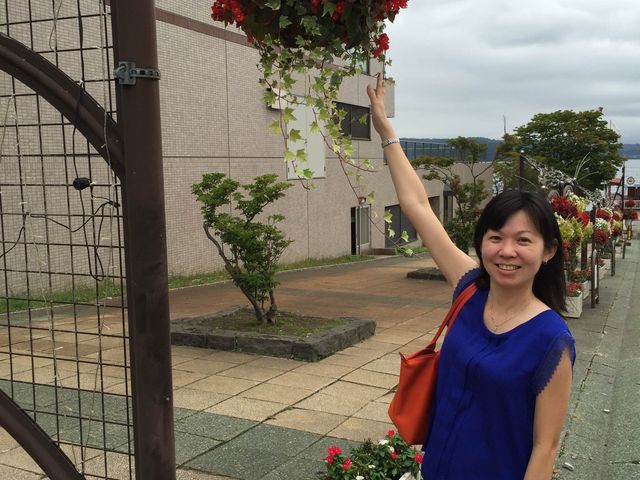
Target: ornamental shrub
(249, 249)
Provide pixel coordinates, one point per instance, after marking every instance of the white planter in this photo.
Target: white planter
(574, 307)
(409, 476)
(586, 289)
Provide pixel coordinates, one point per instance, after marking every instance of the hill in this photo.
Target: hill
(629, 150)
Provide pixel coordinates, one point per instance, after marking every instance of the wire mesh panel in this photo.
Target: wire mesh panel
(63, 320)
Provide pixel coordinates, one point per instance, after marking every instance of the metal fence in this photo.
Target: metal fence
(69, 351)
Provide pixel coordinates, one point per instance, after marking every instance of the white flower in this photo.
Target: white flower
(383, 442)
(359, 477)
(372, 466)
(391, 449)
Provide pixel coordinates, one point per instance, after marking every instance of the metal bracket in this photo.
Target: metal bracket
(127, 73)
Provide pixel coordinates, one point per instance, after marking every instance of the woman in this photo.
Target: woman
(505, 370)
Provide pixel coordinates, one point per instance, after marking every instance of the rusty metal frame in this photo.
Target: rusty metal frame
(133, 147)
(35, 441)
(66, 95)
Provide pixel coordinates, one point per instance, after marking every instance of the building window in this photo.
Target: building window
(356, 122)
(360, 228)
(364, 64)
(399, 223)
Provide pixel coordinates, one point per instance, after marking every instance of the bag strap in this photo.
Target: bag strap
(453, 312)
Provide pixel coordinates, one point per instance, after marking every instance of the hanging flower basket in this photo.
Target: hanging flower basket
(334, 25)
(319, 43)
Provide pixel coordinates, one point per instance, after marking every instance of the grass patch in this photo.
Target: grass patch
(80, 295)
(111, 289)
(220, 275)
(287, 323)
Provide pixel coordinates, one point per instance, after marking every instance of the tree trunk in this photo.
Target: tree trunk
(273, 308)
(228, 265)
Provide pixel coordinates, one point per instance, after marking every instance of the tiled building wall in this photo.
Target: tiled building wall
(214, 120)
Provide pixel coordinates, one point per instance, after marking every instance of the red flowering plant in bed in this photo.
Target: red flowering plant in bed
(389, 459)
(317, 42)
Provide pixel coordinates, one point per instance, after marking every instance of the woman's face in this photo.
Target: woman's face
(513, 254)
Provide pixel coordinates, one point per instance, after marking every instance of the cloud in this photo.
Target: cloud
(461, 65)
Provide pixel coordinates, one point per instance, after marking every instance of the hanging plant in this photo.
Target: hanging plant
(314, 43)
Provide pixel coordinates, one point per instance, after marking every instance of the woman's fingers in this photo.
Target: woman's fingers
(378, 92)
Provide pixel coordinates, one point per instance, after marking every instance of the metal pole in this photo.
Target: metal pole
(521, 171)
(134, 32)
(622, 182)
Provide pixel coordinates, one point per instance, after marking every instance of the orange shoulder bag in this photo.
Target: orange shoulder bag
(411, 407)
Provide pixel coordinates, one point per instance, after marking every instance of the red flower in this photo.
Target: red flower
(617, 216)
(394, 455)
(601, 213)
(341, 6)
(383, 44)
(391, 433)
(347, 464)
(395, 5)
(584, 218)
(329, 459)
(564, 207)
(630, 203)
(333, 451)
(601, 237)
(417, 457)
(573, 288)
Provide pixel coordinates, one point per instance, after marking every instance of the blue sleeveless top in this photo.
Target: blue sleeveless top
(482, 424)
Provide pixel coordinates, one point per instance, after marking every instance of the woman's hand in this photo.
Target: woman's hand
(381, 123)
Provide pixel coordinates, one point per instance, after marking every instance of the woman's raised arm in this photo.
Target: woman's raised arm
(414, 202)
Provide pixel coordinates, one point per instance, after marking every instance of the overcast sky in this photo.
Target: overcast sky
(460, 65)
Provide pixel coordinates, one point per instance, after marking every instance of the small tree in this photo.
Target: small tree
(468, 196)
(580, 144)
(253, 247)
(506, 168)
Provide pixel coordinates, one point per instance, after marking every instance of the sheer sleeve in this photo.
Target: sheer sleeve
(551, 360)
(465, 281)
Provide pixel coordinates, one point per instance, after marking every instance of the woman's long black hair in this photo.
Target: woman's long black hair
(548, 284)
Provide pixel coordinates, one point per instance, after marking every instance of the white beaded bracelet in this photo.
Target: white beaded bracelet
(390, 141)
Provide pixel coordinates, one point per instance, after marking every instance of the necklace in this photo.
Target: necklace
(496, 325)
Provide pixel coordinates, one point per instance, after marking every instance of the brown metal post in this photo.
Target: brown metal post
(134, 32)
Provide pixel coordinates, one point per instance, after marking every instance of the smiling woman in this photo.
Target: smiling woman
(505, 368)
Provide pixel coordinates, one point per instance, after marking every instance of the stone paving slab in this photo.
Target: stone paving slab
(290, 443)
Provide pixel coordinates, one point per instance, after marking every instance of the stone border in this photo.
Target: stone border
(188, 332)
(429, 273)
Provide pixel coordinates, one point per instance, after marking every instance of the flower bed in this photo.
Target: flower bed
(389, 459)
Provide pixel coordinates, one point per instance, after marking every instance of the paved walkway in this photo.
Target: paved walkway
(243, 416)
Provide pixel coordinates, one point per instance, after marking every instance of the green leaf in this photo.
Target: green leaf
(294, 135)
(275, 126)
(273, 4)
(308, 173)
(301, 155)
(392, 233)
(388, 216)
(329, 8)
(288, 115)
(284, 21)
(363, 119)
(314, 128)
(270, 97)
(404, 236)
(289, 155)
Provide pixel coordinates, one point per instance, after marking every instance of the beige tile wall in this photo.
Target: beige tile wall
(213, 120)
